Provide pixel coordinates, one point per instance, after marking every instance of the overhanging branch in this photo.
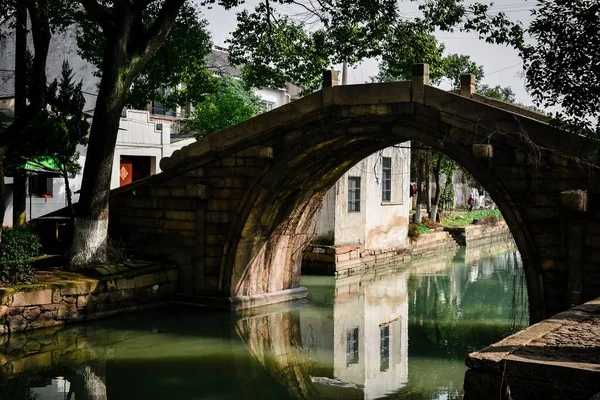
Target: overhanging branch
(158, 31)
(96, 12)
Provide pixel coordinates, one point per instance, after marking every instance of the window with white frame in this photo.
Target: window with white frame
(386, 179)
(353, 194)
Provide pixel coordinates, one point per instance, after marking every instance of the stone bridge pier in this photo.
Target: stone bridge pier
(234, 209)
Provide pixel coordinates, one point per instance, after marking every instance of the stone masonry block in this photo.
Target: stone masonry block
(177, 225)
(218, 217)
(180, 215)
(172, 275)
(145, 280)
(34, 297)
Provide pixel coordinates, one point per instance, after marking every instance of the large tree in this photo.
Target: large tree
(562, 64)
(130, 40)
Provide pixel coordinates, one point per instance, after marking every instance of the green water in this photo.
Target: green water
(398, 333)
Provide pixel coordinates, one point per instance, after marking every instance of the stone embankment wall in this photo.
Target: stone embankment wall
(350, 259)
(432, 243)
(469, 235)
(55, 303)
(558, 358)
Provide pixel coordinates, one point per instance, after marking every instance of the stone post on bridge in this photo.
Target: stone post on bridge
(467, 85)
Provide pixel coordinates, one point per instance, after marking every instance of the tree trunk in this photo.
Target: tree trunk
(91, 215)
(19, 198)
(68, 193)
(427, 178)
(19, 178)
(438, 190)
(2, 189)
(420, 161)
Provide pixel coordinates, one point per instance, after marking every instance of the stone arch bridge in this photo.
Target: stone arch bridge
(233, 209)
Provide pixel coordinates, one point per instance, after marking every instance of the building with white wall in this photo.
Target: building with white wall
(141, 143)
(365, 211)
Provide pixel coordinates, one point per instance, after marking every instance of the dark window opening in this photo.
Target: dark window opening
(352, 346)
(386, 187)
(384, 347)
(41, 186)
(353, 194)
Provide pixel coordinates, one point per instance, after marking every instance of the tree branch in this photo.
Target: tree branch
(158, 31)
(96, 12)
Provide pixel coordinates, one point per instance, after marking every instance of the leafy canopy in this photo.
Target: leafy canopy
(562, 66)
(275, 48)
(177, 73)
(229, 105)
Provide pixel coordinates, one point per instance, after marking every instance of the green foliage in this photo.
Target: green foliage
(273, 53)
(456, 65)
(562, 63)
(17, 251)
(447, 196)
(177, 73)
(465, 219)
(59, 128)
(502, 93)
(231, 104)
(410, 43)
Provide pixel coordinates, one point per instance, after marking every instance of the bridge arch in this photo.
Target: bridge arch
(272, 228)
(255, 187)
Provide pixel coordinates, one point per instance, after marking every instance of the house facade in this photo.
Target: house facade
(141, 143)
(364, 213)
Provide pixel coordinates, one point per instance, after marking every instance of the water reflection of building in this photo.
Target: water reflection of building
(366, 340)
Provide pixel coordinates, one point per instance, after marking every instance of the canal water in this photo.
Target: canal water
(400, 332)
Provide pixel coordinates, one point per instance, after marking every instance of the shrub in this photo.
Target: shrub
(17, 251)
(413, 231)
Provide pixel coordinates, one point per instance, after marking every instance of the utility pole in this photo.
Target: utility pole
(19, 179)
(345, 72)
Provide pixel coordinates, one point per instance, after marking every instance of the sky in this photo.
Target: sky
(502, 65)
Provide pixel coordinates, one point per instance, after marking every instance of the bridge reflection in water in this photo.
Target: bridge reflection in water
(400, 332)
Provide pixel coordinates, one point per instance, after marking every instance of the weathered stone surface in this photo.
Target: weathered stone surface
(34, 297)
(32, 313)
(146, 280)
(3, 311)
(563, 350)
(66, 310)
(17, 323)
